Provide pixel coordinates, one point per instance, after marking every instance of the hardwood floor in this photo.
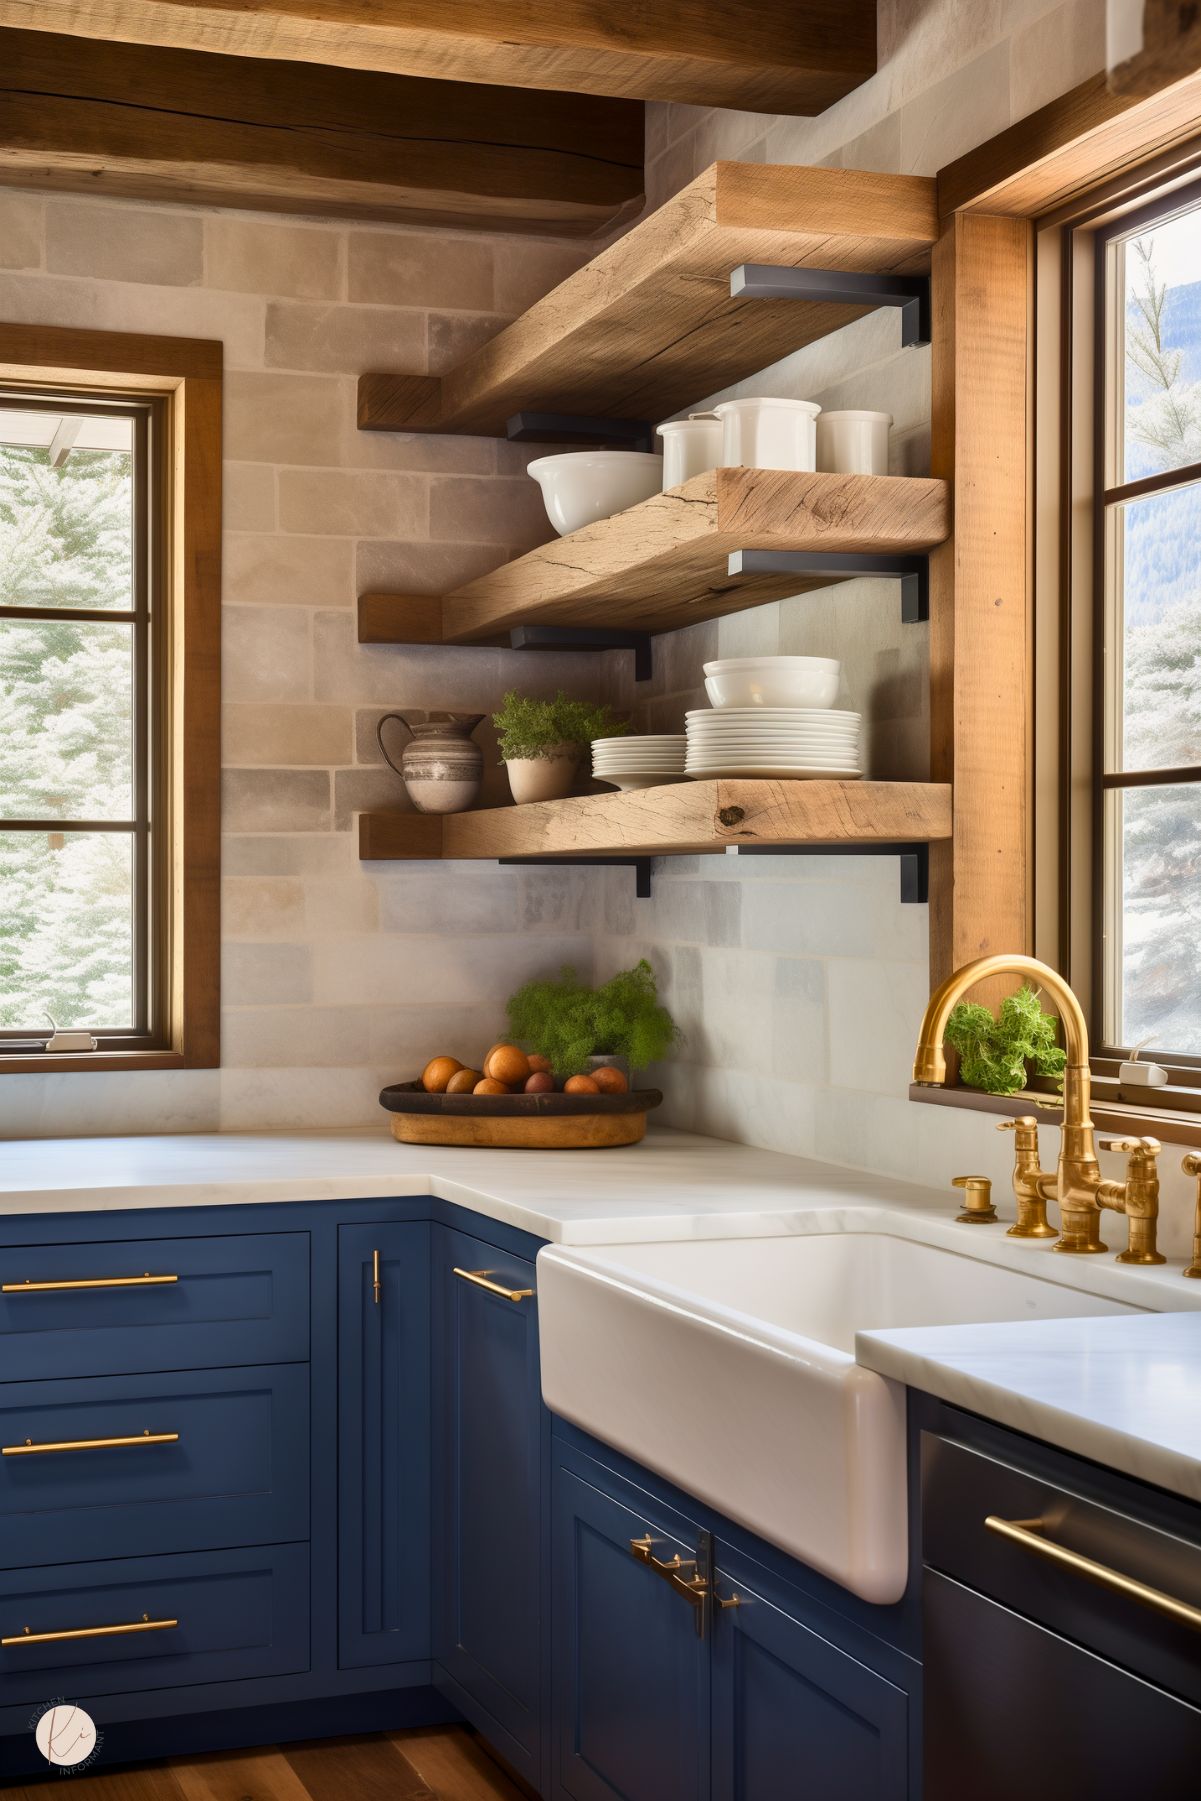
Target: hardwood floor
(438, 1763)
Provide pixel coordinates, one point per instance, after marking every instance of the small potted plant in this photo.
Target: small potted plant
(622, 1023)
(998, 1052)
(542, 742)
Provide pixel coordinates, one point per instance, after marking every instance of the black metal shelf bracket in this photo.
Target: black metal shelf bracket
(640, 865)
(586, 637)
(910, 294)
(579, 428)
(914, 860)
(913, 572)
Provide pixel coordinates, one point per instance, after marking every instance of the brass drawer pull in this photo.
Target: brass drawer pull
(144, 1281)
(145, 1624)
(29, 1449)
(1028, 1534)
(480, 1278)
(376, 1284)
(674, 1571)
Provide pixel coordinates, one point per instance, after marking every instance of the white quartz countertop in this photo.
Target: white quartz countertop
(1122, 1390)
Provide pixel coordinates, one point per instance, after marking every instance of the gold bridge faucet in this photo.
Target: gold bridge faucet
(1077, 1186)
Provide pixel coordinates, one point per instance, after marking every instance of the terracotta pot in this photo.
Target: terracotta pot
(544, 778)
(441, 767)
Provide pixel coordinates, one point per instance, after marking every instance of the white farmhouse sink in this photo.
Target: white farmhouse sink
(728, 1366)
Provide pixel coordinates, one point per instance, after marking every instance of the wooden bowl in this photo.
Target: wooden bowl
(518, 1121)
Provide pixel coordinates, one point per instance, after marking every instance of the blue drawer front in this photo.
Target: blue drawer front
(238, 1473)
(236, 1301)
(240, 1614)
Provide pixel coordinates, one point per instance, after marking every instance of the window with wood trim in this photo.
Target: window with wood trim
(1118, 715)
(109, 699)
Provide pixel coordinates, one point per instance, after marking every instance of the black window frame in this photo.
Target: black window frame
(148, 618)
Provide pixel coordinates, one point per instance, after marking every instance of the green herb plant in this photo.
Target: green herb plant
(567, 1022)
(994, 1051)
(530, 727)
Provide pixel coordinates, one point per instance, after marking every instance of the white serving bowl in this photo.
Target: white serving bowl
(773, 681)
(585, 485)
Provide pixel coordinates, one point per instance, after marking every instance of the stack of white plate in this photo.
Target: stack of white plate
(774, 741)
(646, 762)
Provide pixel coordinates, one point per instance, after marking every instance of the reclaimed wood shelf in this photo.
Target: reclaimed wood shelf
(649, 325)
(677, 819)
(664, 563)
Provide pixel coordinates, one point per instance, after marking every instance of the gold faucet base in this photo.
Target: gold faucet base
(978, 1218)
(1043, 1230)
(1079, 1250)
(1141, 1257)
(1194, 1269)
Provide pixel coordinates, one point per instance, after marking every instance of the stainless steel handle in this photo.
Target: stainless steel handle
(480, 1278)
(1029, 1535)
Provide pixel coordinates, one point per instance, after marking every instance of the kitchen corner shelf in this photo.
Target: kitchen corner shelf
(724, 541)
(678, 819)
(693, 298)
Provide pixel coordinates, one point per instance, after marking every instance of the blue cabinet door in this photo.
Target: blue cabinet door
(383, 1444)
(795, 1717)
(630, 1673)
(487, 1536)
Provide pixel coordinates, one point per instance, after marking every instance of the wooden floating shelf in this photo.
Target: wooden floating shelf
(649, 325)
(681, 818)
(663, 564)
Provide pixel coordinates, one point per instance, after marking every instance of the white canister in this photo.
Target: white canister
(690, 447)
(853, 443)
(768, 434)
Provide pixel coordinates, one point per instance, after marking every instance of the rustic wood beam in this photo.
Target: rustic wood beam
(121, 119)
(794, 56)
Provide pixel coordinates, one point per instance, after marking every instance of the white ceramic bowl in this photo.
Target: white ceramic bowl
(585, 485)
(773, 681)
(768, 433)
(853, 443)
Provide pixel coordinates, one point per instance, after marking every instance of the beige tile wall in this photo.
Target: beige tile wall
(337, 976)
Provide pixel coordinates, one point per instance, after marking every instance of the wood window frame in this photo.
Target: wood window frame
(999, 381)
(185, 377)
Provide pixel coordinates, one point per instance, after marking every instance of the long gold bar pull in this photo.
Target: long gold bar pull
(1028, 1534)
(30, 1449)
(145, 1624)
(143, 1281)
(480, 1278)
(376, 1284)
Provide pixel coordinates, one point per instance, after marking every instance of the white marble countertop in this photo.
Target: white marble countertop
(1123, 1390)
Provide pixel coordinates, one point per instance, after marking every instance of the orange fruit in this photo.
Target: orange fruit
(463, 1081)
(580, 1085)
(507, 1064)
(490, 1086)
(610, 1080)
(437, 1074)
(540, 1065)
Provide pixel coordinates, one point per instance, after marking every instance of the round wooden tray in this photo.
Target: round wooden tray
(518, 1121)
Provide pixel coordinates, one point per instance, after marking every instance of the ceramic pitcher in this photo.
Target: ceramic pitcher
(441, 766)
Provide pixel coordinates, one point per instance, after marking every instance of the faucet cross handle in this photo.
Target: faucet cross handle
(1137, 1197)
(1032, 1219)
(1191, 1166)
(1147, 1149)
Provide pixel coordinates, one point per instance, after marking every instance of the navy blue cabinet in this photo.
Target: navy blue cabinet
(489, 1597)
(630, 1671)
(383, 1443)
(794, 1716)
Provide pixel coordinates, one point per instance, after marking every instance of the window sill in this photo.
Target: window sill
(44, 1064)
(1111, 1116)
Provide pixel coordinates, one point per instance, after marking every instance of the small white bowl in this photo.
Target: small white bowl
(585, 485)
(773, 681)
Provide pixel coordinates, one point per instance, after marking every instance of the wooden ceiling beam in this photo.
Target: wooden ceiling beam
(775, 56)
(125, 120)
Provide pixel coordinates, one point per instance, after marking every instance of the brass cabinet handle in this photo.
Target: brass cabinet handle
(694, 1587)
(480, 1278)
(29, 1449)
(144, 1281)
(376, 1284)
(45, 1638)
(1028, 1534)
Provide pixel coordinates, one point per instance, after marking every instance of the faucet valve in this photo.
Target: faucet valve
(1192, 1167)
(1032, 1219)
(1137, 1197)
(978, 1209)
